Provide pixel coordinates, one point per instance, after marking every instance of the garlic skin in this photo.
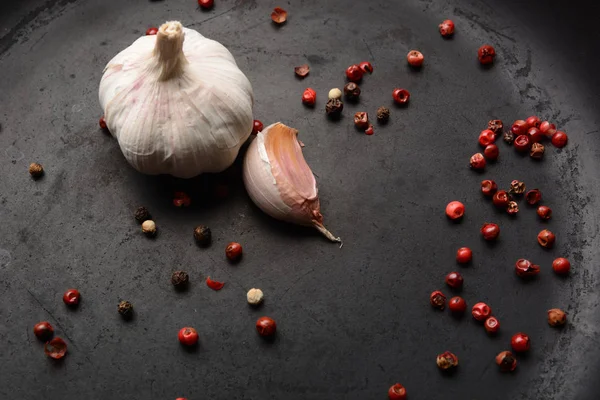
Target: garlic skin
(177, 103)
(280, 182)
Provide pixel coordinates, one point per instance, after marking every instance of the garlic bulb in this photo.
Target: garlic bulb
(177, 103)
(279, 181)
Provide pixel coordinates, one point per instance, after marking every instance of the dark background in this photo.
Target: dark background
(353, 321)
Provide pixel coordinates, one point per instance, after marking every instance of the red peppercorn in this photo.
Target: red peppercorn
(454, 280)
(547, 128)
(507, 361)
(557, 317)
(366, 66)
(354, 73)
(71, 297)
(464, 255)
(446, 28)
(522, 143)
(561, 266)
(519, 127)
(457, 304)
(491, 325)
(488, 187)
(309, 97)
(535, 135)
(257, 126)
(188, 336)
(486, 137)
(559, 139)
(43, 330)
(477, 161)
(401, 96)
(233, 251)
(361, 120)
(151, 31)
(102, 123)
(481, 311)
(546, 238)
(455, 210)
(397, 392)
(55, 348)
(266, 326)
(446, 360)
(369, 130)
(415, 58)
(524, 268)
(437, 299)
(490, 231)
(544, 212)
(279, 15)
(501, 199)
(206, 4)
(533, 196)
(520, 342)
(491, 152)
(181, 199)
(486, 54)
(533, 122)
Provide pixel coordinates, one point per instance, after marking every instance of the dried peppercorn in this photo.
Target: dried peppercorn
(43, 330)
(524, 268)
(517, 187)
(214, 285)
(334, 108)
(537, 151)
(544, 212)
(546, 238)
(180, 279)
(369, 131)
(352, 91)
(507, 361)
(383, 114)
(55, 348)
(437, 300)
(203, 235)
(125, 308)
(36, 170)
(512, 208)
(496, 126)
(142, 214)
(149, 228)
(302, 70)
(309, 97)
(266, 326)
(509, 137)
(533, 196)
(361, 120)
(446, 360)
(557, 317)
(279, 15)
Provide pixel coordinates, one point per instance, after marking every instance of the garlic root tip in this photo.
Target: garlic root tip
(326, 233)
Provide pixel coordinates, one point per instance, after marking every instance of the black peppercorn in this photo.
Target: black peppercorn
(36, 170)
(125, 309)
(180, 279)
(334, 108)
(383, 114)
(202, 235)
(142, 214)
(352, 91)
(509, 137)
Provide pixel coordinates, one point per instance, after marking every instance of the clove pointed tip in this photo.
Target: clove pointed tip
(321, 228)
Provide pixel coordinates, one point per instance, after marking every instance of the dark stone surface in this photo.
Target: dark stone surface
(351, 321)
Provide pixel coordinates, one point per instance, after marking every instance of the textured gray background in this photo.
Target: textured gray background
(351, 321)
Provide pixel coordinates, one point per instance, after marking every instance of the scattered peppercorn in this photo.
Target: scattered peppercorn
(517, 187)
(309, 97)
(206, 4)
(203, 235)
(491, 152)
(366, 66)
(490, 231)
(361, 120)
(401, 96)
(279, 15)
(557, 317)
(477, 161)
(547, 128)
(546, 238)
(233, 251)
(489, 187)
(354, 73)
(524, 268)
(334, 93)
(486, 137)
(266, 326)
(486, 54)
(533, 122)
(334, 108)
(457, 305)
(509, 137)
(254, 296)
(383, 114)
(149, 228)
(481, 311)
(188, 336)
(520, 342)
(102, 123)
(446, 360)
(351, 91)
(501, 199)
(125, 308)
(71, 297)
(464, 255)
(544, 212)
(537, 151)
(507, 361)
(437, 300)
(491, 325)
(522, 143)
(369, 130)
(397, 392)
(512, 208)
(446, 28)
(496, 126)
(36, 170)
(43, 330)
(533, 196)
(415, 58)
(302, 70)
(559, 139)
(454, 280)
(151, 31)
(455, 210)
(180, 279)
(257, 126)
(561, 266)
(535, 135)
(55, 348)
(181, 199)
(142, 214)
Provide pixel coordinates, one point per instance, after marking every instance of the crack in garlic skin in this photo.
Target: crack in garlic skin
(177, 103)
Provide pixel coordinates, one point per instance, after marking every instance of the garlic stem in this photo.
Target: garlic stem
(169, 50)
(321, 228)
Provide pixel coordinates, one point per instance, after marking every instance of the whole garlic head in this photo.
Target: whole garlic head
(177, 103)
(254, 296)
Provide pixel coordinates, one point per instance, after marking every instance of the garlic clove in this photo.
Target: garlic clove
(280, 182)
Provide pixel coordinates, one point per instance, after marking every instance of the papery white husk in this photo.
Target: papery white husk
(177, 103)
(279, 181)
